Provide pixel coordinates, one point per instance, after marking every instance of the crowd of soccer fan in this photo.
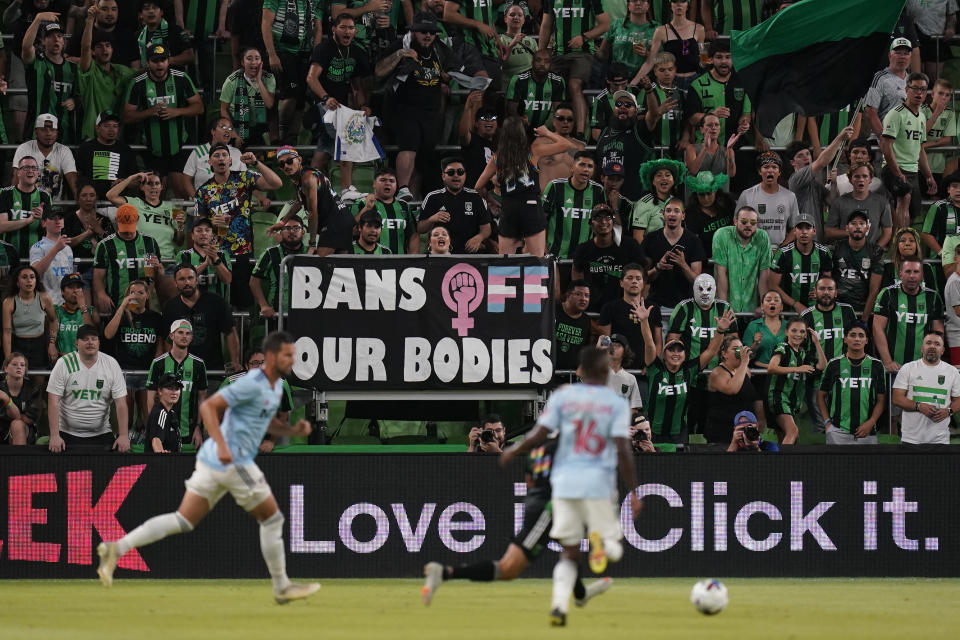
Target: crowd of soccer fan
(610, 134)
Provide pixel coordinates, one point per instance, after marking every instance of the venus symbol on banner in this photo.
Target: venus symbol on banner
(462, 290)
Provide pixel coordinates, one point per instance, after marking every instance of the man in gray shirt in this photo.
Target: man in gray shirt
(934, 18)
(807, 181)
(888, 89)
(776, 205)
(876, 207)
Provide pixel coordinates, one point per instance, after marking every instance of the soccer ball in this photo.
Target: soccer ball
(709, 597)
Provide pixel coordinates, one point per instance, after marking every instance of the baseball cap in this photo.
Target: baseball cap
(46, 120)
(181, 324)
(286, 150)
(859, 213)
(100, 35)
(52, 27)
(169, 381)
(425, 22)
(219, 147)
(626, 95)
(86, 331)
(745, 417)
(127, 217)
(951, 179)
(805, 218)
(619, 338)
(613, 169)
(618, 71)
(157, 50)
(370, 217)
(602, 209)
(71, 280)
(106, 116)
(49, 213)
(901, 42)
(674, 342)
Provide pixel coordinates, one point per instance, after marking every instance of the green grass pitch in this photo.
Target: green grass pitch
(633, 608)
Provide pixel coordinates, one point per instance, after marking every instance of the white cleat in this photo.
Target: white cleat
(296, 591)
(351, 194)
(594, 589)
(109, 555)
(433, 572)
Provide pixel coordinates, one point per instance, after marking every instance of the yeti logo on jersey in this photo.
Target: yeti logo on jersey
(855, 383)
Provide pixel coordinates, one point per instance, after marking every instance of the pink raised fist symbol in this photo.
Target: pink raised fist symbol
(462, 293)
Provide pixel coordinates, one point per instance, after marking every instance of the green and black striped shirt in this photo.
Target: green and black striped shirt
(164, 138)
(536, 99)
(571, 18)
(667, 394)
(208, 280)
(399, 223)
(568, 214)
(192, 373)
(831, 326)
(799, 273)
(267, 271)
(739, 15)
(49, 85)
(485, 12)
(853, 389)
(19, 206)
(696, 325)
(124, 260)
(908, 318)
(786, 389)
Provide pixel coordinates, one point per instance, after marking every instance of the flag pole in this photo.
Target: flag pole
(836, 159)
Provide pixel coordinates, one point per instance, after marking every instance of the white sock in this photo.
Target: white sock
(156, 528)
(271, 546)
(613, 549)
(564, 575)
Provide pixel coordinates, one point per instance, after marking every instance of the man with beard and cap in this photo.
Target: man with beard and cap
(694, 321)
(855, 263)
(671, 380)
(611, 177)
(741, 257)
(928, 391)
(830, 320)
(210, 317)
(852, 411)
(419, 66)
(266, 276)
(105, 159)
(338, 66)
(478, 135)
(776, 205)
(536, 93)
(369, 228)
(400, 222)
(601, 109)
(58, 169)
(51, 78)
(660, 178)
(798, 265)
(558, 165)
(626, 136)
(677, 258)
(573, 324)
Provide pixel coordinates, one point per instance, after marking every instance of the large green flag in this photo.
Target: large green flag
(814, 57)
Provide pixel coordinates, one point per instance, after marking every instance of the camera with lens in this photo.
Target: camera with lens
(487, 435)
(639, 436)
(752, 434)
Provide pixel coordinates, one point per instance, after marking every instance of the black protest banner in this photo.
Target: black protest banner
(414, 322)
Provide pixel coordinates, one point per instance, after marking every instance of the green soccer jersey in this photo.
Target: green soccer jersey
(622, 36)
(798, 272)
(199, 17)
(192, 373)
(831, 326)
(536, 98)
(481, 11)
(18, 205)
(378, 250)
(735, 15)
(785, 394)
(157, 222)
(101, 91)
(743, 265)
(49, 85)
(697, 325)
(708, 94)
(208, 280)
(667, 394)
(648, 213)
(908, 130)
(164, 138)
(941, 221)
(571, 18)
(293, 23)
(568, 214)
(246, 106)
(908, 318)
(123, 261)
(944, 127)
(267, 271)
(669, 127)
(399, 223)
(68, 324)
(853, 389)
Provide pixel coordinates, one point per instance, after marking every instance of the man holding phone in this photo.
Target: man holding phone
(676, 257)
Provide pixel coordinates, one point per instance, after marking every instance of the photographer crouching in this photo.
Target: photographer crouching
(489, 437)
(746, 435)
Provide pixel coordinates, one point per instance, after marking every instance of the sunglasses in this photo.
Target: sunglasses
(455, 172)
(30, 168)
(917, 89)
(487, 118)
(293, 229)
(288, 161)
(225, 127)
(623, 104)
(563, 118)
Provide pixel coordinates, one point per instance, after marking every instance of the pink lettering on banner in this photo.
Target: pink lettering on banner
(22, 516)
(462, 290)
(82, 517)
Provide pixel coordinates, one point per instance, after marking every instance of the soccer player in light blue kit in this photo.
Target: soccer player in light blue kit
(225, 463)
(593, 423)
